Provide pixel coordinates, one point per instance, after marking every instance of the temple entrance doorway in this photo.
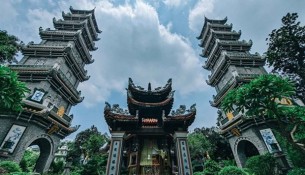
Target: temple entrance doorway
(245, 150)
(154, 158)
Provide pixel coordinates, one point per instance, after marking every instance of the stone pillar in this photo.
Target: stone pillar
(183, 153)
(114, 159)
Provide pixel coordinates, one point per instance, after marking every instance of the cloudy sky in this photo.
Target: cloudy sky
(149, 41)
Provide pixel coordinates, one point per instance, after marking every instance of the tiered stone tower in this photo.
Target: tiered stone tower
(231, 64)
(52, 70)
(148, 138)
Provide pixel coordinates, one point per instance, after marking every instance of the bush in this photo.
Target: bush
(230, 170)
(225, 163)
(57, 167)
(297, 171)
(261, 164)
(197, 173)
(10, 166)
(211, 168)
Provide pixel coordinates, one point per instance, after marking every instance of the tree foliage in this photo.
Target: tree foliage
(261, 164)
(260, 99)
(230, 170)
(28, 161)
(294, 152)
(257, 98)
(297, 171)
(96, 165)
(86, 154)
(286, 52)
(9, 46)
(198, 144)
(11, 90)
(57, 167)
(208, 139)
(211, 168)
(10, 166)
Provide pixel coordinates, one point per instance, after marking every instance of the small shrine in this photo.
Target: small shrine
(149, 137)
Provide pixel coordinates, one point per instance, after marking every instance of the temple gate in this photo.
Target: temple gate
(148, 138)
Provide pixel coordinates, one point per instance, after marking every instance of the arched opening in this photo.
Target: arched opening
(246, 149)
(39, 149)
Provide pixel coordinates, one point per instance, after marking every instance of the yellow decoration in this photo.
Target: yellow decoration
(285, 101)
(235, 132)
(230, 115)
(53, 129)
(61, 111)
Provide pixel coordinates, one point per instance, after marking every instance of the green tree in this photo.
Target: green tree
(198, 144)
(211, 168)
(261, 164)
(286, 52)
(297, 171)
(57, 167)
(220, 148)
(96, 165)
(9, 46)
(11, 90)
(10, 166)
(260, 98)
(97, 161)
(230, 170)
(28, 161)
(87, 144)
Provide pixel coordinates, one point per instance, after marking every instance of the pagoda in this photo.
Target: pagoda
(231, 64)
(149, 138)
(52, 70)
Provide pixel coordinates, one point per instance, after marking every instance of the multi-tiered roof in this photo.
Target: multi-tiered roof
(58, 62)
(229, 61)
(149, 109)
(222, 48)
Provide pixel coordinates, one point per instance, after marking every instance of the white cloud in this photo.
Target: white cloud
(8, 11)
(196, 15)
(35, 18)
(174, 3)
(134, 44)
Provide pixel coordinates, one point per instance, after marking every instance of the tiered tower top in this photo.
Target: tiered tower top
(54, 68)
(228, 59)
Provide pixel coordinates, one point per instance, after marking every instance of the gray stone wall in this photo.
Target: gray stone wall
(225, 78)
(31, 134)
(53, 96)
(252, 135)
(249, 70)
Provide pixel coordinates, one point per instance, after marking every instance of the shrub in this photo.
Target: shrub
(197, 173)
(261, 164)
(10, 166)
(297, 171)
(230, 170)
(57, 167)
(211, 168)
(225, 163)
